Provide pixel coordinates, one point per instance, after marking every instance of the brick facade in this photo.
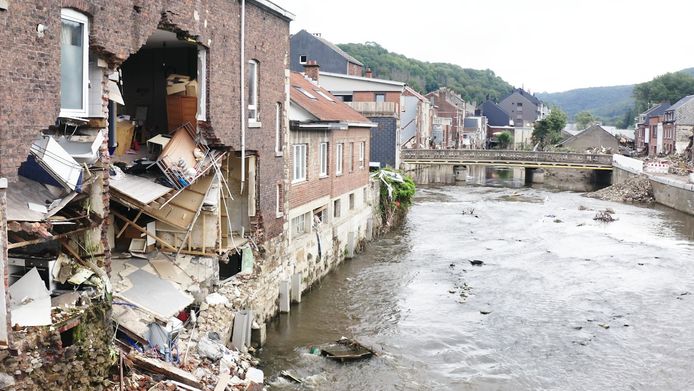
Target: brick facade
(30, 69)
(332, 185)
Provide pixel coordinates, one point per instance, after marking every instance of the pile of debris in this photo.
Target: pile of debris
(680, 165)
(634, 189)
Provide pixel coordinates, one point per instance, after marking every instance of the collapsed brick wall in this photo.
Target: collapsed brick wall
(45, 364)
(30, 69)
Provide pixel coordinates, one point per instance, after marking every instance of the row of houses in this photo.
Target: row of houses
(665, 128)
(155, 154)
(406, 118)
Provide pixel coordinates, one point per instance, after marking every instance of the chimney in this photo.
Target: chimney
(369, 73)
(312, 69)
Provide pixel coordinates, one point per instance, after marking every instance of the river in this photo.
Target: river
(569, 303)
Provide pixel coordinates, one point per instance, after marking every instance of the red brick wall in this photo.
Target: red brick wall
(334, 185)
(354, 69)
(30, 70)
(314, 187)
(350, 179)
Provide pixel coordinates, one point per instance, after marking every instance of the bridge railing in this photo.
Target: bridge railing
(503, 155)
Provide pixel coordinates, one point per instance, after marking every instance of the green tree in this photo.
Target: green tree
(668, 87)
(504, 139)
(547, 131)
(585, 119)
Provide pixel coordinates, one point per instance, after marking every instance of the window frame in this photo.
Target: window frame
(362, 154)
(253, 66)
(301, 175)
(279, 135)
(323, 157)
(202, 84)
(339, 156)
(78, 17)
(299, 221)
(279, 200)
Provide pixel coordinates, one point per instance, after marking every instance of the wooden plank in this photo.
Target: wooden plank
(125, 226)
(164, 368)
(144, 231)
(222, 382)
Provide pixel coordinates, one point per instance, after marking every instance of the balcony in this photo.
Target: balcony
(376, 109)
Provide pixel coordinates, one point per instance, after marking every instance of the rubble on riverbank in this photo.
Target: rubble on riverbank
(635, 189)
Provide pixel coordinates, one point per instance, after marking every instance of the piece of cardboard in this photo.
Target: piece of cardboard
(176, 88)
(192, 88)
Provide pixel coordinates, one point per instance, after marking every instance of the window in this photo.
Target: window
(323, 159)
(351, 157)
(299, 162)
(362, 153)
(351, 201)
(320, 216)
(302, 59)
(279, 139)
(279, 200)
(253, 91)
(308, 94)
(74, 60)
(365, 196)
(299, 224)
(336, 208)
(380, 98)
(202, 83)
(324, 95)
(338, 159)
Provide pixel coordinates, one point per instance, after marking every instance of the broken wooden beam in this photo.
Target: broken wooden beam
(144, 231)
(163, 368)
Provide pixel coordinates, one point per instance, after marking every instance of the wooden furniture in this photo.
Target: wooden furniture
(181, 109)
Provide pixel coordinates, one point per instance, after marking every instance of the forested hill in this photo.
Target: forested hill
(472, 84)
(611, 104)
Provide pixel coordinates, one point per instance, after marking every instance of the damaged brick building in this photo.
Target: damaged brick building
(97, 96)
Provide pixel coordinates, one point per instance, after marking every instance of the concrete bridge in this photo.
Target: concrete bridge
(490, 157)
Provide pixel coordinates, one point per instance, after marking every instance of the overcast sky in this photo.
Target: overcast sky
(543, 45)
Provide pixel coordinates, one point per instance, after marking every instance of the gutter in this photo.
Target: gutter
(243, 93)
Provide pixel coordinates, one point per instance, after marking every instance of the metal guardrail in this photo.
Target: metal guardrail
(494, 156)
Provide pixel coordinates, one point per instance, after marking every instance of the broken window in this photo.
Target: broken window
(74, 58)
(252, 91)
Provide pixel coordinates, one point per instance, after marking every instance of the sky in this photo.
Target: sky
(541, 45)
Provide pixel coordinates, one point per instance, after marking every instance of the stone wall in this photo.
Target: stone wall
(676, 194)
(47, 361)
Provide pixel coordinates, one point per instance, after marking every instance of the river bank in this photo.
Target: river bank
(562, 311)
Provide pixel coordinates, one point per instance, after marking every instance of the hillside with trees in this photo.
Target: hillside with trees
(618, 105)
(472, 84)
(610, 104)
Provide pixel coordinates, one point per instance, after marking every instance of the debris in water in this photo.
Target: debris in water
(485, 312)
(604, 326)
(287, 375)
(345, 349)
(558, 221)
(476, 262)
(604, 216)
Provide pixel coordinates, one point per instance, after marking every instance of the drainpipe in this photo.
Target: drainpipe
(243, 94)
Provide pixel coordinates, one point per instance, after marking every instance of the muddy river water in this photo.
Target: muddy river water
(562, 302)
